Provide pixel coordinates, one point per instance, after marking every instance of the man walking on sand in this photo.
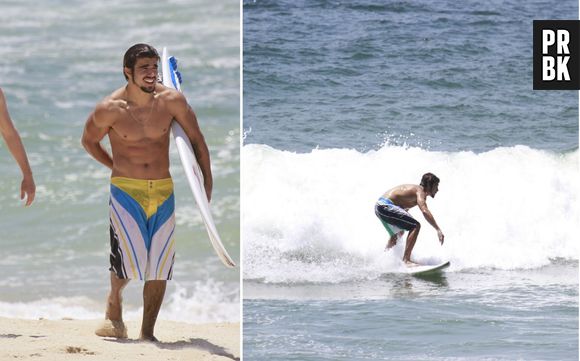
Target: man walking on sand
(14, 143)
(137, 119)
(392, 209)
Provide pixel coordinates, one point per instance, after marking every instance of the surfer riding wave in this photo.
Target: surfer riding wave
(392, 209)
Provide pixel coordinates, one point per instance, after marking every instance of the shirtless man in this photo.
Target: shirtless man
(392, 209)
(14, 143)
(137, 119)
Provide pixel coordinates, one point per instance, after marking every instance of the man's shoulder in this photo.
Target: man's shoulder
(412, 190)
(112, 102)
(418, 189)
(173, 101)
(407, 188)
(107, 110)
(168, 94)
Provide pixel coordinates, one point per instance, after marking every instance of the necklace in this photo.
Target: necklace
(148, 116)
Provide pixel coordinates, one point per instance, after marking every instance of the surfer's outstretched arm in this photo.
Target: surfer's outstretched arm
(422, 204)
(14, 143)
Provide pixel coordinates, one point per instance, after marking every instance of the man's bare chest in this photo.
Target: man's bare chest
(139, 126)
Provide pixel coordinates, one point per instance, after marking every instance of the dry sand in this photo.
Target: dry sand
(75, 340)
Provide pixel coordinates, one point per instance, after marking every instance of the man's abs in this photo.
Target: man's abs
(141, 162)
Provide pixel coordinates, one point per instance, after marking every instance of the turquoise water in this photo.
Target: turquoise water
(57, 60)
(343, 100)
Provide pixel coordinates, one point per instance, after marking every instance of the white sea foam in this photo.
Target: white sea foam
(206, 302)
(53, 308)
(310, 217)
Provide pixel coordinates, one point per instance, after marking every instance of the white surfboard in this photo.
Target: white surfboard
(427, 269)
(171, 79)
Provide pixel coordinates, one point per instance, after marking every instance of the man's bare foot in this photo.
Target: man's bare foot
(410, 263)
(112, 329)
(150, 338)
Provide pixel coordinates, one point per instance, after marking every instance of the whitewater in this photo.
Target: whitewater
(309, 217)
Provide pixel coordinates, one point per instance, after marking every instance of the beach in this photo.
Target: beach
(69, 339)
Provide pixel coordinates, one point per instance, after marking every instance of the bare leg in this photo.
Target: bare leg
(113, 325)
(411, 239)
(153, 293)
(393, 240)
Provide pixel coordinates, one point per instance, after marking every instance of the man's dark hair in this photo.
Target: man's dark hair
(429, 180)
(135, 52)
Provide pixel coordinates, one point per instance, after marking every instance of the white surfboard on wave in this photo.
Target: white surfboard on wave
(426, 269)
(190, 165)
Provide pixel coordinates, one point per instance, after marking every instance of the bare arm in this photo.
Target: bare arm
(97, 126)
(185, 116)
(422, 203)
(14, 143)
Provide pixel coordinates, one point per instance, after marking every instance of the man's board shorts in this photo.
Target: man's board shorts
(142, 217)
(393, 217)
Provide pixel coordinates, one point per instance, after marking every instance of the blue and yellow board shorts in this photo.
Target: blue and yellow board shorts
(142, 217)
(393, 217)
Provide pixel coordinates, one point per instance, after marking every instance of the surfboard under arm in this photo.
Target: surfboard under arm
(171, 78)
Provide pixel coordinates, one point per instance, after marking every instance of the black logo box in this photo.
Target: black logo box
(573, 28)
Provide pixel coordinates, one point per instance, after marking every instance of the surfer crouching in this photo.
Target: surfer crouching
(137, 119)
(392, 209)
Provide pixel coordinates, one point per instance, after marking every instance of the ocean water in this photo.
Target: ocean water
(57, 60)
(343, 100)
(443, 76)
(460, 316)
